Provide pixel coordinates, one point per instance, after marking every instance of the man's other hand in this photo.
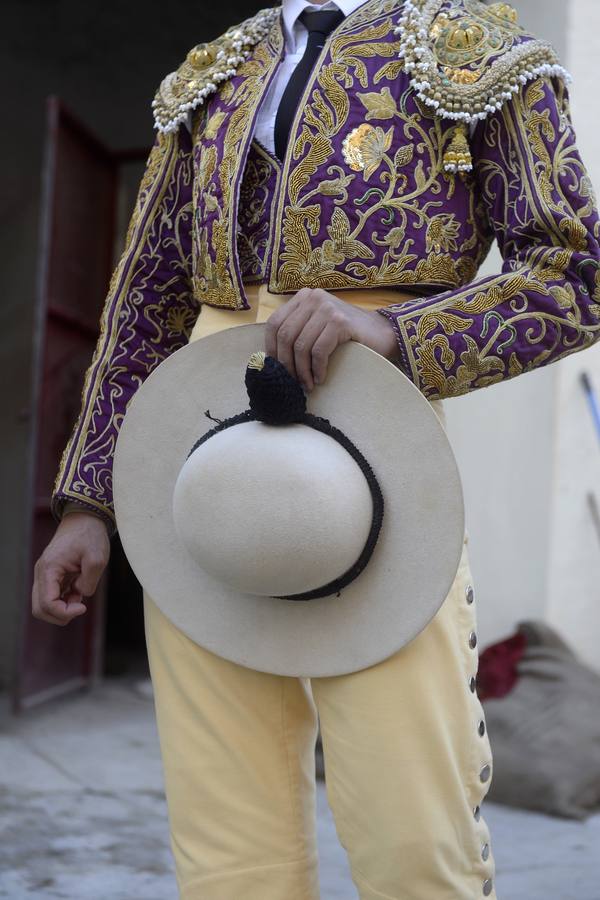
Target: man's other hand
(70, 568)
(303, 333)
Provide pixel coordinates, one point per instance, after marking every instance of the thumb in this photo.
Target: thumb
(86, 582)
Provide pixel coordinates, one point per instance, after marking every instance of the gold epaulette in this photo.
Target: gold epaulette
(467, 59)
(206, 67)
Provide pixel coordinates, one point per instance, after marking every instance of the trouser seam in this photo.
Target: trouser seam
(292, 781)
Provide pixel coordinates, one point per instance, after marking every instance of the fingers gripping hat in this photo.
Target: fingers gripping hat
(300, 542)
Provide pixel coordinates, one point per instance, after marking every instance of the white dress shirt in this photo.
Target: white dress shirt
(296, 36)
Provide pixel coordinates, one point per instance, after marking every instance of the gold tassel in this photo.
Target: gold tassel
(257, 361)
(457, 158)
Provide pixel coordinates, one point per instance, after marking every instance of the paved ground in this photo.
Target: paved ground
(82, 815)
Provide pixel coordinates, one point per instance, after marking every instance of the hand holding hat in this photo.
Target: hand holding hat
(306, 330)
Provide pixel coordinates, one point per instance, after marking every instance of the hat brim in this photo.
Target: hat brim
(419, 547)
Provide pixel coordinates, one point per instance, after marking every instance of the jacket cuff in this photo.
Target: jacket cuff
(404, 361)
(63, 504)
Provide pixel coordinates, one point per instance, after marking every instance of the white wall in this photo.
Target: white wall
(574, 557)
(503, 439)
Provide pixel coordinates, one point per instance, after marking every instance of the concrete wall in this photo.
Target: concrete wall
(574, 549)
(503, 439)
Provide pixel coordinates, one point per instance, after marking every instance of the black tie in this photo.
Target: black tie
(318, 25)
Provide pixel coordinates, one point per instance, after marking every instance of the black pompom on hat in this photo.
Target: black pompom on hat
(276, 397)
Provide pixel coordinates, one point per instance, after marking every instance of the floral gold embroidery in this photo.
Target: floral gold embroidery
(207, 166)
(336, 187)
(389, 169)
(365, 147)
(402, 152)
(214, 123)
(351, 147)
(442, 232)
(379, 105)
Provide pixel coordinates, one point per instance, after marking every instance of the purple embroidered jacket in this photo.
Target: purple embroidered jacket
(407, 158)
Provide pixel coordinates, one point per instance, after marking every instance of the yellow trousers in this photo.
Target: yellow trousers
(407, 757)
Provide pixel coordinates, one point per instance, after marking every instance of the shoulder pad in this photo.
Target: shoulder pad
(467, 59)
(205, 67)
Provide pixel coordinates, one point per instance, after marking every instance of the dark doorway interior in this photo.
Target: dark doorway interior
(124, 643)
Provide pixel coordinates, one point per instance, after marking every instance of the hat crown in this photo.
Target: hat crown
(272, 511)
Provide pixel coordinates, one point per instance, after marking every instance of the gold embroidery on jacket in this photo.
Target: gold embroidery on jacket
(215, 280)
(255, 227)
(382, 156)
(554, 231)
(468, 59)
(475, 53)
(157, 206)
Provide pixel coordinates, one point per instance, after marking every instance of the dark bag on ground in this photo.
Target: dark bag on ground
(545, 732)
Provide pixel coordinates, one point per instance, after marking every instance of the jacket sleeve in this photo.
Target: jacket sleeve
(149, 313)
(545, 303)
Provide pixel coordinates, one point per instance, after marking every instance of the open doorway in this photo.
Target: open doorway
(89, 192)
(124, 643)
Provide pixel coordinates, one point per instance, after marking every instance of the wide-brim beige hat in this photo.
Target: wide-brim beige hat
(224, 538)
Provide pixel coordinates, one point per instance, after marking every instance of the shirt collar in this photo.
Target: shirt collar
(291, 9)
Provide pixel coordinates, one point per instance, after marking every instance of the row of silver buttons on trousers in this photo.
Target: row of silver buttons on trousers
(486, 771)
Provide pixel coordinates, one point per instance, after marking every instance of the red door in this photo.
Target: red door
(77, 252)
